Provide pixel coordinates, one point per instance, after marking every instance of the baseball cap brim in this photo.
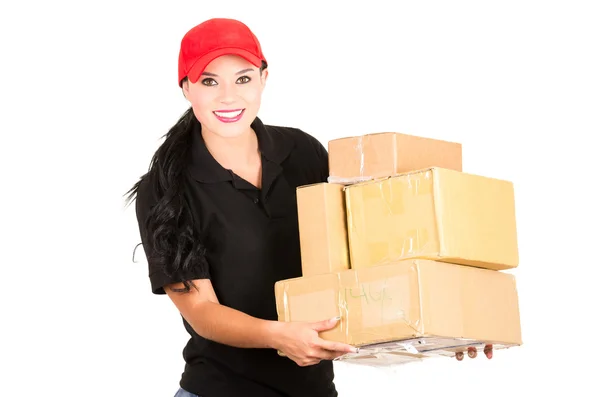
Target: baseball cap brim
(198, 68)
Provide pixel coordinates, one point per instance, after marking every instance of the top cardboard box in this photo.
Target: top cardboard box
(372, 156)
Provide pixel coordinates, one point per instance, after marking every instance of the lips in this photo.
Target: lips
(229, 116)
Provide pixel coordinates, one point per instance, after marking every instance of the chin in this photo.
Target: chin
(233, 130)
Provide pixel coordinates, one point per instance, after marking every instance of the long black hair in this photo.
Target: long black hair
(169, 226)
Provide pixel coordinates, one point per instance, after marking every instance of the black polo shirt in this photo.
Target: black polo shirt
(251, 240)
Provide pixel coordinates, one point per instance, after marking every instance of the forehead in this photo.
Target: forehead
(232, 63)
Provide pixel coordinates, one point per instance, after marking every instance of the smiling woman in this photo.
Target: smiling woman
(229, 96)
(225, 99)
(218, 222)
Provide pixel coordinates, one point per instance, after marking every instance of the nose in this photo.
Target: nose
(228, 93)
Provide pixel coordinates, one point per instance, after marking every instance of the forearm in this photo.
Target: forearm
(231, 327)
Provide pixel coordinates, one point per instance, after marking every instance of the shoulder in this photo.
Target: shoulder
(302, 151)
(150, 191)
(303, 141)
(145, 193)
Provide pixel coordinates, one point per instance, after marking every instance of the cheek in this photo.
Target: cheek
(201, 104)
(252, 96)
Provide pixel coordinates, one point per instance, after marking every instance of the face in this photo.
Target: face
(227, 96)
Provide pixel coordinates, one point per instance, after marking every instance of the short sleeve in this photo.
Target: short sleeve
(198, 267)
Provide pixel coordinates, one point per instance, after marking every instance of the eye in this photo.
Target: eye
(209, 81)
(243, 80)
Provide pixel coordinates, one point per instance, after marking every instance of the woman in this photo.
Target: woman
(218, 221)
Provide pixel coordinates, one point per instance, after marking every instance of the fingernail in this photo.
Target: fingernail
(338, 318)
(357, 350)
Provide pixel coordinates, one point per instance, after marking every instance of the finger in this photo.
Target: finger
(302, 362)
(326, 324)
(309, 363)
(328, 354)
(489, 351)
(337, 347)
(472, 352)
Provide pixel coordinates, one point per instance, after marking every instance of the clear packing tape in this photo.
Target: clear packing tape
(412, 350)
(349, 168)
(392, 219)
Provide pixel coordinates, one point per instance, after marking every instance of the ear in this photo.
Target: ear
(263, 77)
(186, 89)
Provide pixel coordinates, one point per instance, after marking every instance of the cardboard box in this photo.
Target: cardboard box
(426, 304)
(435, 214)
(372, 156)
(322, 225)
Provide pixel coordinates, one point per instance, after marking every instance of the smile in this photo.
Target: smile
(229, 116)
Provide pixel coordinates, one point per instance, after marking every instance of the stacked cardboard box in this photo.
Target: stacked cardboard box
(408, 249)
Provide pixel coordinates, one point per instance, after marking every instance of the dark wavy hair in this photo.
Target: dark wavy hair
(176, 246)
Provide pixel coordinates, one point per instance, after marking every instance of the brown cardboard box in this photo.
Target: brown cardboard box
(416, 306)
(372, 156)
(435, 214)
(322, 224)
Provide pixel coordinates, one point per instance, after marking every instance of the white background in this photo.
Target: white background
(89, 88)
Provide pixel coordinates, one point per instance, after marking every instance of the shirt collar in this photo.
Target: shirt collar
(272, 143)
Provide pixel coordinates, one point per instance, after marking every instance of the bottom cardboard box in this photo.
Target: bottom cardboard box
(419, 307)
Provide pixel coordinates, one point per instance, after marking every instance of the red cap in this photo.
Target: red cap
(213, 38)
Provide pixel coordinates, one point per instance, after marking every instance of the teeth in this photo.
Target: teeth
(229, 115)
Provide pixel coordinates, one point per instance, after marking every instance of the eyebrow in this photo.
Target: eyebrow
(240, 72)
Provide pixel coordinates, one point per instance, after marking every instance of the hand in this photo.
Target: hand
(472, 352)
(300, 342)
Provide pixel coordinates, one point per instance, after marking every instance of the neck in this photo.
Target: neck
(233, 152)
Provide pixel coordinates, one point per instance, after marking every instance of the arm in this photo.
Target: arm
(211, 320)
(222, 324)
